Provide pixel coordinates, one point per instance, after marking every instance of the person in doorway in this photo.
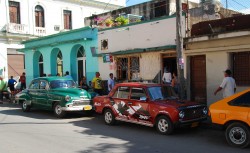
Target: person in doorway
(11, 84)
(174, 82)
(111, 82)
(228, 85)
(97, 84)
(166, 78)
(83, 84)
(23, 81)
(68, 76)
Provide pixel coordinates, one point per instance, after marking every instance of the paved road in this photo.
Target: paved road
(40, 132)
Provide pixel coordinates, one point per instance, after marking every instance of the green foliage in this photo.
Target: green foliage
(122, 20)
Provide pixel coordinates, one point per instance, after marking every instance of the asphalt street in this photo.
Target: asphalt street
(40, 132)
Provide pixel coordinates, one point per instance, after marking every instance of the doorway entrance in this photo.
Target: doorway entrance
(198, 78)
(81, 62)
(169, 63)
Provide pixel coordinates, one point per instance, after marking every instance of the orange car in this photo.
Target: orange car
(233, 115)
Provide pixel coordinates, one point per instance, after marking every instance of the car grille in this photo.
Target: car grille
(82, 102)
(193, 113)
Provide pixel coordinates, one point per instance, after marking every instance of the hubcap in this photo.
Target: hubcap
(237, 135)
(24, 105)
(108, 117)
(58, 109)
(163, 125)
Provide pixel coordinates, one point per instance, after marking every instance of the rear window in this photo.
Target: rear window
(243, 100)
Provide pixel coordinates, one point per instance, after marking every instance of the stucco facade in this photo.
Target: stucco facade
(139, 49)
(19, 23)
(58, 53)
(219, 51)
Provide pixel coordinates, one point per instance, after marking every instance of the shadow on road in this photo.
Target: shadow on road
(146, 139)
(15, 109)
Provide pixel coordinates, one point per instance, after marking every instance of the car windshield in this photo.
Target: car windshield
(162, 93)
(62, 84)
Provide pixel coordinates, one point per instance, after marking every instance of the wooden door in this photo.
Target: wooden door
(198, 78)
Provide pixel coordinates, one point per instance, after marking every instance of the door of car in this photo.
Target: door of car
(120, 102)
(32, 92)
(139, 105)
(42, 94)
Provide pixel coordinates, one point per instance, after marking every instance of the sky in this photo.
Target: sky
(237, 5)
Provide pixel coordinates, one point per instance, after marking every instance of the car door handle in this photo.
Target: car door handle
(130, 103)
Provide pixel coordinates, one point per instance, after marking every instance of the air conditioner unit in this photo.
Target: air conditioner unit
(56, 27)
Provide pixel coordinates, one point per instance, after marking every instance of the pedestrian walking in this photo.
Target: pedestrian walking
(111, 82)
(97, 84)
(23, 81)
(228, 85)
(11, 84)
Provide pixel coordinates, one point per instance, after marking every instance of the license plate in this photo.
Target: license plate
(195, 124)
(87, 107)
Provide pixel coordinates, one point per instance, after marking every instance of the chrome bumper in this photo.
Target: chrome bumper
(78, 108)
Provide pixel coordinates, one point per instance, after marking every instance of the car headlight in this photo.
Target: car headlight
(181, 114)
(205, 111)
(67, 98)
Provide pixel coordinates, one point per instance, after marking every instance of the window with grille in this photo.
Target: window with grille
(128, 68)
(67, 19)
(241, 67)
(39, 16)
(14, 12)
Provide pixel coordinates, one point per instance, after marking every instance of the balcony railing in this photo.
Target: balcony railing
(40, 31)
(17, 28)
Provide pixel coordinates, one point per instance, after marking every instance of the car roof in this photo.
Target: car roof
(52, 78)
(138, 84)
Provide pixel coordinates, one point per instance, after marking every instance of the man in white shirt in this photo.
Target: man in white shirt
(111, 82)
(228, 85)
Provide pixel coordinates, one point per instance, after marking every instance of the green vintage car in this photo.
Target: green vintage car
(55, 93)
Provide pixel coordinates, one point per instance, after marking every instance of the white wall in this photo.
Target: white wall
(3, 61)
(145, 35)
(53, 13)
(115, 2)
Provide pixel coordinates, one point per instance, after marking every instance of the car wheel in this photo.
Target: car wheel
(58, 110)
(237, 135)
(109, 117)
(25, 107)
(164, 125)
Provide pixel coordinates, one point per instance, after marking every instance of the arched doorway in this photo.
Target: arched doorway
(37, 64)
(59, 63)
(81, 63)
(40, 63)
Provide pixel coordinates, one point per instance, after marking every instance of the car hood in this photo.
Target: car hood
(177, 103)
(70, 91)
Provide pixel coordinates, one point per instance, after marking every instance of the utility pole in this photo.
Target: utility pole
(179, 50)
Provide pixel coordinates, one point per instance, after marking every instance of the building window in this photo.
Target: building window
(67, 19)
(160, 9)
(241, 66)
(39, 15)
(60, 63)
(128, 68)
(14, 12)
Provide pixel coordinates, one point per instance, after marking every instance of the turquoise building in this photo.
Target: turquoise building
(73, 51)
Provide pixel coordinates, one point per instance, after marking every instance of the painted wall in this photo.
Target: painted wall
(68, 43)
(154, 33)
(53, 13)
(115, 2)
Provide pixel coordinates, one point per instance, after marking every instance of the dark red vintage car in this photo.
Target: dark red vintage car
(151, 105)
